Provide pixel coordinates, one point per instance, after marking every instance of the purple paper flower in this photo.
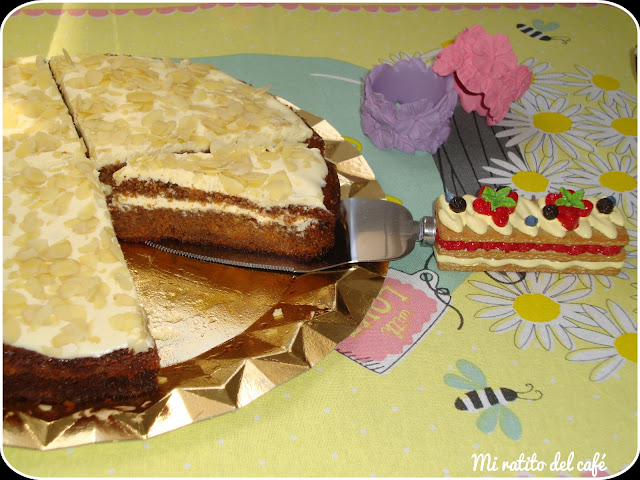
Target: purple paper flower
(407, 106)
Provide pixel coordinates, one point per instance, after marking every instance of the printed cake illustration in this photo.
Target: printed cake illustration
(559, 232)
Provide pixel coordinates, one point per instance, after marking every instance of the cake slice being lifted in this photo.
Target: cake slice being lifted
(188, 152)
(558, 233)
(281, 200)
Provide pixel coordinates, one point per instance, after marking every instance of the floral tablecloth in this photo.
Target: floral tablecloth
(385, 402)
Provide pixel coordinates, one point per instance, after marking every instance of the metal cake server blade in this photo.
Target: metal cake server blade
(369, 230)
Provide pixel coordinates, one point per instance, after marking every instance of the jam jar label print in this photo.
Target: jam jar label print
(402, 314)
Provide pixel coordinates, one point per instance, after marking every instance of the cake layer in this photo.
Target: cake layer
(484, 264)
(597, 227)
(528, 248)
(232, 231)
(32, 378)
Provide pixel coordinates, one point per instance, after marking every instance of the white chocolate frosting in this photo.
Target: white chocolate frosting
(604, 223)
(128, 106)
(286, 174)
(34, 118)
(66, 288)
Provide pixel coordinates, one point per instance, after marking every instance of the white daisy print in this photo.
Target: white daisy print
(544, 81)
(613, 125)
(617, 176)
(538, 306)
(597, 86)
(396, 57)
(615, 341)
(545, 127)
(428, 57)
(530, 177)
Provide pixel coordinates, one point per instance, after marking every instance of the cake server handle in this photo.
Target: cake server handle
(427, 234)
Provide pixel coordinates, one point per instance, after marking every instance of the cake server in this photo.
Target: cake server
(369, 230)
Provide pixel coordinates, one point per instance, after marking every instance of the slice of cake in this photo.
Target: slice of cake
(281, 200)
(73, 328)
(559, 232)
(191, 153)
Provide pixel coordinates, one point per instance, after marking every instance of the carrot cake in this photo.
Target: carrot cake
(102, 148)
(559, 232)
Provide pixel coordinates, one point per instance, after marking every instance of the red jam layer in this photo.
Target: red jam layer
(527, 247)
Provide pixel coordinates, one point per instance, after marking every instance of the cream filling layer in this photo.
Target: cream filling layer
(300, 224)
(604, 223)
(526, 263)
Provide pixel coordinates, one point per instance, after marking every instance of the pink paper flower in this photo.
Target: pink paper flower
(487, 76)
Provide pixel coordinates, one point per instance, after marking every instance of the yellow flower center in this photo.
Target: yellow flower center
(627, 346)
(605, 83)
(618, 181)
(552, 122)
(625, 126)
(530, 181)
(535, 307)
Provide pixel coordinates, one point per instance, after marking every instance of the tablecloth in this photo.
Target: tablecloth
(384, 402)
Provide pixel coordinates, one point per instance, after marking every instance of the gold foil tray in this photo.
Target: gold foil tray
(225, 335)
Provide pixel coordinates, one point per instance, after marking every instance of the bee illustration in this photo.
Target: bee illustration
(538, 29)
(491, 403)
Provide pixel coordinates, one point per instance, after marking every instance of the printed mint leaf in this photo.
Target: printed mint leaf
(569, 199)
(500, 198)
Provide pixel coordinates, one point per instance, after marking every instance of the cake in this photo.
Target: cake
(73, 327)
(100, 149)
(189, 153)
(561, 232)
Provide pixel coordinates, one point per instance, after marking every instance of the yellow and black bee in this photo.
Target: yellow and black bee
(489, 403)
(538, 31)
(476, 400)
